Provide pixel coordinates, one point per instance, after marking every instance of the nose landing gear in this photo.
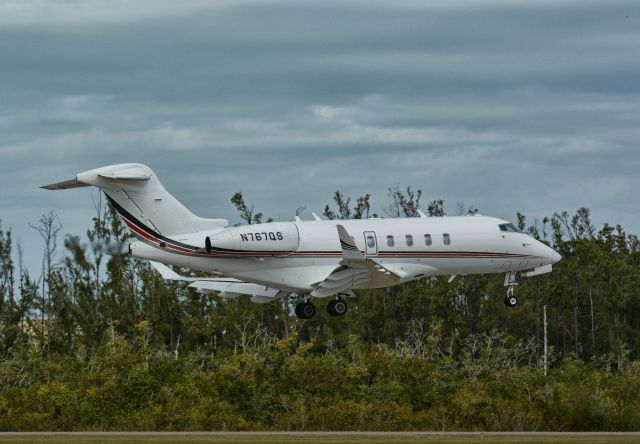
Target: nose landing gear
(510, 281)
(510, 300)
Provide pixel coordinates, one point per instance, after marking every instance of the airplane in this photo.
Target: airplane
(310, 259)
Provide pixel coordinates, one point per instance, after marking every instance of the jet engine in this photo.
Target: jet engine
(272, 239)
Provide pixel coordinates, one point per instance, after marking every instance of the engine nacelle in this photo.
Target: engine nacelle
(276, 239)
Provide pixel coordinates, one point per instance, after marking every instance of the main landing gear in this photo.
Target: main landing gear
(510, 281)
(305, 310)
(336, 307)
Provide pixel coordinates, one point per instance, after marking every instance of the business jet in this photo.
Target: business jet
(310, 259)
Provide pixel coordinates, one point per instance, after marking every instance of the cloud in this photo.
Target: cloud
(528, 106)
(66, 12)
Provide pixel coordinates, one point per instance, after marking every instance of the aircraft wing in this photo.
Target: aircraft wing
(355, 270)
(227, 287)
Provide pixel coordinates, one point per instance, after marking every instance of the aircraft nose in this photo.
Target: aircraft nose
(552, 255)
(548, 254)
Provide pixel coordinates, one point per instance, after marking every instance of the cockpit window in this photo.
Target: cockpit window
(509, 228)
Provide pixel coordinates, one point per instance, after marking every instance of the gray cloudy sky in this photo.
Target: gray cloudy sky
(510, 106)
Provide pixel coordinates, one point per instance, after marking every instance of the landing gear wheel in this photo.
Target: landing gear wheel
(337, 307)
(305, 310)
(511, 300)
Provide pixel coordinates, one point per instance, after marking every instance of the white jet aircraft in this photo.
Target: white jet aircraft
(311, 259)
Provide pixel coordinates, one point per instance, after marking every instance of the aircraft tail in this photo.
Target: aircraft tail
(139, 197)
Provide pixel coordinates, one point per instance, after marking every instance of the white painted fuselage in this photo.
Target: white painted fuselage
(410, 247)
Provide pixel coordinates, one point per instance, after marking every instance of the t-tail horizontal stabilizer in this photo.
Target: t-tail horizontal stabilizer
(65, 185)
(126, 172)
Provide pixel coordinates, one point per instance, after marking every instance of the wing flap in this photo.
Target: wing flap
(354, 277)
(355, 270)
(237, 288)
(227, 287)
(169, 274)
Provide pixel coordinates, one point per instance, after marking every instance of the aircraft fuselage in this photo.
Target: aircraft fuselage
(293, 256)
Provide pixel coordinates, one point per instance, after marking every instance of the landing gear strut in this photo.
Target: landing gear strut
(337, 307)
(510, 281)
(305, 310)
(510, 300)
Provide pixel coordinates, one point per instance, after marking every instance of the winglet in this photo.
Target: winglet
(349, 249)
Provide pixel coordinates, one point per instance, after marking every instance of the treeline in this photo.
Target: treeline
(420, 383)
(96, 340)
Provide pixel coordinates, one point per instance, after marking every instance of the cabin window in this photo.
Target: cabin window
(446, 239)
(427, 240)
(371, 242)
(409, 240)
(390, 242)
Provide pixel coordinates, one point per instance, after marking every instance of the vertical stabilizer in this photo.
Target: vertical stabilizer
(136, 192)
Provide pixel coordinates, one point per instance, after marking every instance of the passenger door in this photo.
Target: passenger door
(370, 243)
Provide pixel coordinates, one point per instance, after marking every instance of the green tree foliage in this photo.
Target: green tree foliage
(276, 384)
(360, 211)
(246, 211)
(402, 204)
(129, 351)
(9, 312)
(436, 208)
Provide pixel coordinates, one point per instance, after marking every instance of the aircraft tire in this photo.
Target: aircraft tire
(510, 301)
(298, 310)
(305, 310)
(337, 307)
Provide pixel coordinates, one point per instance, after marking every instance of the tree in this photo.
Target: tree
(11, 312)
(403, 204)
(343, 211)
(48, 227)
(463, 210)
(436, 208)
(246, 211)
